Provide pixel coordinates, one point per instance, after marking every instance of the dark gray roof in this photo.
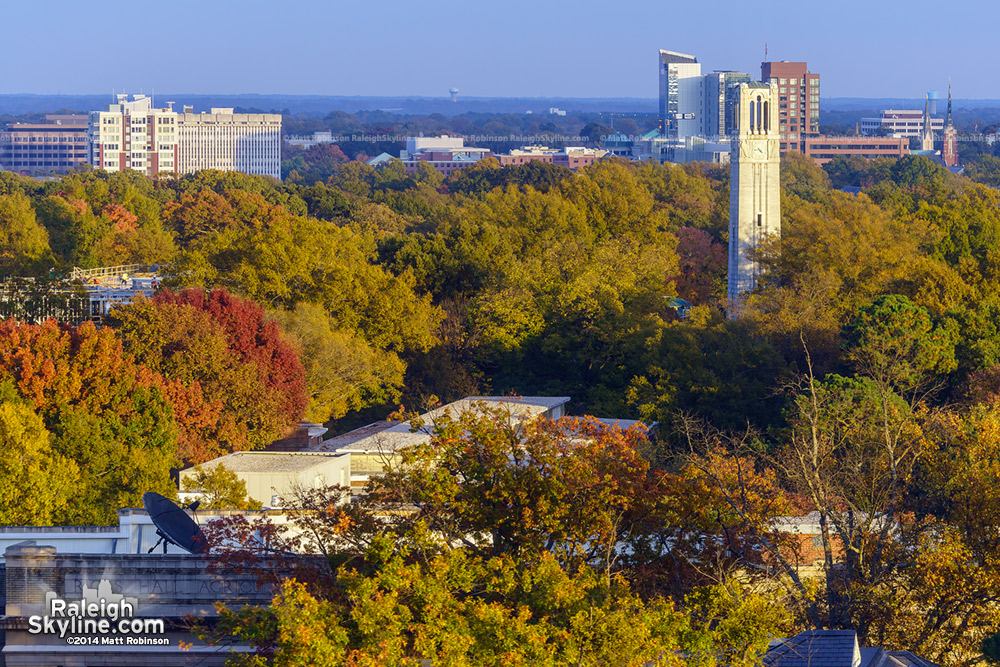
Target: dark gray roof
(835, 648)
(816, 648)
(667, 57)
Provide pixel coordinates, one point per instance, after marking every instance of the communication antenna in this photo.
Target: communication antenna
(173, 524)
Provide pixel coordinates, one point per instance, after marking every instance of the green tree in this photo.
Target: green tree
(894, 343)
(220, 489)
(37, 483)
(510, 557)
(24, 244)
(107, 414)
(344, 372)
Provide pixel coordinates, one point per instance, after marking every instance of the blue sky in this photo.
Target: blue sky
(497, 49)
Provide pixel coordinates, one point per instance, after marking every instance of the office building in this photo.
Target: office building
(54, 146)
(899, 123)
(133, 135)
(307, 141)
(273, 478)
(246, 142)
(721, 90)
(755, 186)
(822, 149)
(682, 105)
(798, 108)
(571, 157)
(444, 153)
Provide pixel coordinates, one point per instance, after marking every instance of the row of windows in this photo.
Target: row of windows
(36, 154)
(48, 140)
(856, 147)
(38, 163)
(870, 156)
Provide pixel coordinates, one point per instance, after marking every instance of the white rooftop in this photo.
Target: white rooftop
(391, 436)
(269, 462)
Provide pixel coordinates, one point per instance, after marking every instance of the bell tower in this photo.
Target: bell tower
(754, 185)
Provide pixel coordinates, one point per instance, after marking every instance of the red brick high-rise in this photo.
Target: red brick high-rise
(798, 96)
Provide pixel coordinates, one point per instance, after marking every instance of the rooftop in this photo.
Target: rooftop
(675, 57)
(391, 436)
(270, 462)
(835, 648)
(816, 648)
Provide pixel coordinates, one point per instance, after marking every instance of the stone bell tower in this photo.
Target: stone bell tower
(754, 185)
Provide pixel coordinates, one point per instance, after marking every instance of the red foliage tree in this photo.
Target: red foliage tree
(700, 260)
(234, 381)
(255, 339)
(110, 415)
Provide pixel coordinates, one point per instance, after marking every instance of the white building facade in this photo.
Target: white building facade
(133, 135)
(227, 141)
(900, 123)
(682, 105)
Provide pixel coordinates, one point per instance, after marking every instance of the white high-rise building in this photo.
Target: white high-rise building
(133, 135)
(245, 142)
(754, 185)
(682, 103)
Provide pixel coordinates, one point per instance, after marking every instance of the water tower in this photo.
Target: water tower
(932, 97)
(454, 94)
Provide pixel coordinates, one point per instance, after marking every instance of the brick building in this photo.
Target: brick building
(134, 135)
(798, 101)
(806, 539)
(444, 153)
(823, 149)
(571, 157)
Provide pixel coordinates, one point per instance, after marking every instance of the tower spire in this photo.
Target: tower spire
(949, 144)
(927, 139)
(948, 123)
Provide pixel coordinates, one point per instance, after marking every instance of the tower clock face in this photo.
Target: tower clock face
(759, 150)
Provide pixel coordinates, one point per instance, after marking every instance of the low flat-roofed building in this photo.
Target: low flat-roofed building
(373, 447)
(271, 477)
(900, 123)
(571, 157)
(309, 140)
(444, 153)
(54, 146)
(823, 149)
(134, 534)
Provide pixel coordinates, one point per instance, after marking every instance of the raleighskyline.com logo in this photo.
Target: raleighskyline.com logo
(99, 612)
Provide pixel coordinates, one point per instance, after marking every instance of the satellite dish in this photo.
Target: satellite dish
(173, 524)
